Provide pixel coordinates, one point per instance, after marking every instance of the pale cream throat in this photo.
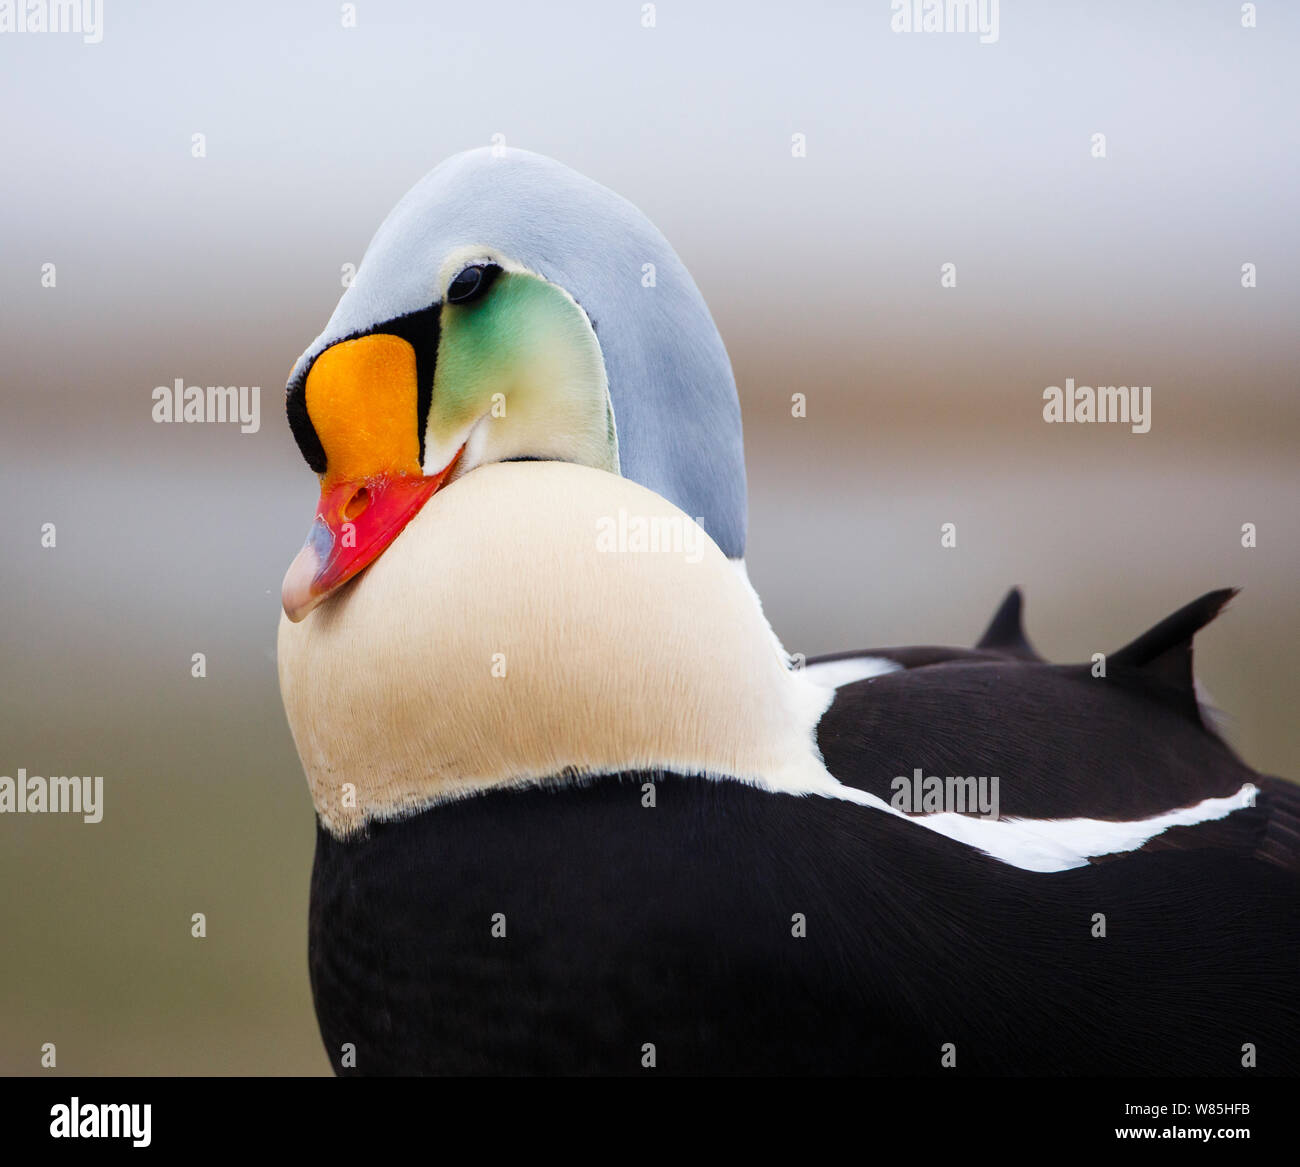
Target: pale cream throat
(538, 620)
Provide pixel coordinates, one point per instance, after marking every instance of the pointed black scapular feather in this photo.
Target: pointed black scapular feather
(1163, 654)
(1003, 638)
(1005, 633)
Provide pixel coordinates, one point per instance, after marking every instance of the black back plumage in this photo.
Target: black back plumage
(1066, 741)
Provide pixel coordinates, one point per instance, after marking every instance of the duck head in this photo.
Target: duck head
(509, 310)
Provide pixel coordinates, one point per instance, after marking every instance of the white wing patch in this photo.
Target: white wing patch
(1055, 844)
(832, 674)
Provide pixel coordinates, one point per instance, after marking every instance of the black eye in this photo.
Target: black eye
(471, 283)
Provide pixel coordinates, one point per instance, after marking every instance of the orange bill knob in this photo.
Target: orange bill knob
(361, 396)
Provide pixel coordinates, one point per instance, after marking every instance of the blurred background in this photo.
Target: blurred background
(924, 403)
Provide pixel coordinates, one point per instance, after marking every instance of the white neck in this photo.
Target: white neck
(500, 641)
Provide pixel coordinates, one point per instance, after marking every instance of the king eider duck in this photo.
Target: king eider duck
(578, 814)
